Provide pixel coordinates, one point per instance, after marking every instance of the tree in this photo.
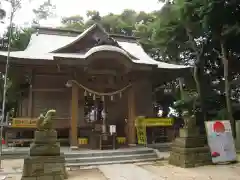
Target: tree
(224, 30)
(73, 22)
(44, 11)
(10, 88)
(179, 34)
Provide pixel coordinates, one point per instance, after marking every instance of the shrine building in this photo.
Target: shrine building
(93, 79)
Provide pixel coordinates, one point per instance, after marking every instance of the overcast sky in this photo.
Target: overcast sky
(65, 8)
(74, 7)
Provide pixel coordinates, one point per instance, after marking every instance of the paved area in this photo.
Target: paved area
(140, 171)
(213, 172)
(127, 172)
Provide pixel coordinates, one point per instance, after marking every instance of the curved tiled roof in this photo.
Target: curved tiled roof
(44, 47)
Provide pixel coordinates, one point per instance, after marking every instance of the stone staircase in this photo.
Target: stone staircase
(110, 157)
(97, 157)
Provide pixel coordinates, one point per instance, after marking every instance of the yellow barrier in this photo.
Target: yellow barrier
(141, 123)
(121, 140)
(82, 141)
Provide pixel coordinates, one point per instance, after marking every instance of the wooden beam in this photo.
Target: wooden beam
(74, 116)
(50, 90)
(52, 75)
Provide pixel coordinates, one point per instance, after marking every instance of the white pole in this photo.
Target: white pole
(5, 86)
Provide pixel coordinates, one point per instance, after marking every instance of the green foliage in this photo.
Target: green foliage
(44, 11)
(73, 22)
(182, 32)
(221, 115)
(188, 104)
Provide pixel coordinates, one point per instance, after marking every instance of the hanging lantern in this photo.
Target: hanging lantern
(85, 93)
(90, 94)
(111, 98)
(102, 98)
(94, 97)
(120, 94)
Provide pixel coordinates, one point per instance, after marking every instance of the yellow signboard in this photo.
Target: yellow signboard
(141, 134)
(24, 123)
(151, 122)
(158, 122)
(141, 123)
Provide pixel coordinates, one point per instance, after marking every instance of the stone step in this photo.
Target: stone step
(109, 153)
(19, 154)
(111, 158)
(111, 162)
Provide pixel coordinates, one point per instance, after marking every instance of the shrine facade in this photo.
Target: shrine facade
(93, 79)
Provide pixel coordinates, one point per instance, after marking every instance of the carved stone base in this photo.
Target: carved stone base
(189, 150)
(42, 167)
(44, 150)
(45, 160)
(45, 144)
(237, 142)
(190, 157)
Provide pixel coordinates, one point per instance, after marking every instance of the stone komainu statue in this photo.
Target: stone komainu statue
(45, 123)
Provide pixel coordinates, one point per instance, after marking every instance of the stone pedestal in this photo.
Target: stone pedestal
(189, 150)
(237, 142)
(45, 160)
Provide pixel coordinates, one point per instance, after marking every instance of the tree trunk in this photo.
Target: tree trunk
(203, 117)
(197, 73)
(198, 70)
(227, 88)
(180, 82)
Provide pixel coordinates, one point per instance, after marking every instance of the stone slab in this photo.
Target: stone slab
(29, 178)
(184, 150)
(189, 142)
(189, 132)
(45, 137)
(127, 172)
(44, 149)
(45, 178)
(237, 142)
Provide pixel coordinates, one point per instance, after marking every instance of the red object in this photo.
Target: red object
(218, 127)
(3, 142)
(215, 154)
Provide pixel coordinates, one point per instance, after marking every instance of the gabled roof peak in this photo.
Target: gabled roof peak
(74, 33)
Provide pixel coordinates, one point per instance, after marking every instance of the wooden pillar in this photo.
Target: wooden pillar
(74, 116)
(30, 97)
(131, 117)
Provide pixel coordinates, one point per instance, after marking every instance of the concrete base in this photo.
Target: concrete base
(189, 151)
(237, 140)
